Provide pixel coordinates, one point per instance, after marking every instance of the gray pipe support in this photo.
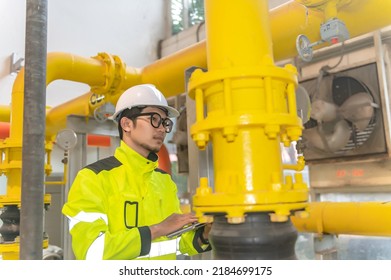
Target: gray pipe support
(33, 157)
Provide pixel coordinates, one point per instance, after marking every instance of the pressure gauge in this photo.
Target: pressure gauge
(66, 139)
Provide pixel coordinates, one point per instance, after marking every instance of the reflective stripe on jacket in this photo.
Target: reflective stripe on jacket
(112, 203)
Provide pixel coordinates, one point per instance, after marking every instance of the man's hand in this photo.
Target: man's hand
(205, 235)
(172, 223)
(207, 229)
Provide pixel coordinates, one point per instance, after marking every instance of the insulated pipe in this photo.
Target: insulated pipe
(33, 151)
(357, 218)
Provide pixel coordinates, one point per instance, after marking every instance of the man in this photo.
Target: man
(124, 206)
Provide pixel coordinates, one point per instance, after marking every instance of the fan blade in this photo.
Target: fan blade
(303, 104)
(323, 111)
(340, 137)
(358, 109)
(331, 142)
(313, 137)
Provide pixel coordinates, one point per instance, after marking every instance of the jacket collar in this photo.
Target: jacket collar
(134, 160)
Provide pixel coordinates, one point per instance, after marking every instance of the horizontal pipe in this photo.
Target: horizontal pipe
(355, 218)
(59, 66)
(56, 117)
(168, 73)
(305, 17)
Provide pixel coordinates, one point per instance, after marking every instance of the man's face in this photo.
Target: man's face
(142, 136)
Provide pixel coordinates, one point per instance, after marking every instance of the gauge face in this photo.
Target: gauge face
(66, 139)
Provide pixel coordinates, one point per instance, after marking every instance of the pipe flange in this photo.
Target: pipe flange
(115, 74)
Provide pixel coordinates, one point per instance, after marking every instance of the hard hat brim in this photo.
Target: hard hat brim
(171, 112)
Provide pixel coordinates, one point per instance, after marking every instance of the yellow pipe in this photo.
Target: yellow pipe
(5, 113)
(105, 74)
(356, 218)
(294, 18)
(64, 178)
(59, 65)
(56, 117)
(168, 73)
(299, 166)
(249, 105)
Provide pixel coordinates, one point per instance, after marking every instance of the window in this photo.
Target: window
(186, 13)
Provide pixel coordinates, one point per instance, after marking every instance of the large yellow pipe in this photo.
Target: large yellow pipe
(286, 23)
(294, 18)
(59, 66)
(56, 117)
(250, 108)
(357, 218)
(102, 73)
(168, 73)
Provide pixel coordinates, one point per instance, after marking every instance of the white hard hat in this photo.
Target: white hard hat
(142, 95)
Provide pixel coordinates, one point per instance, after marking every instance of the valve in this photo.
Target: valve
(333, 31)
(102, 113)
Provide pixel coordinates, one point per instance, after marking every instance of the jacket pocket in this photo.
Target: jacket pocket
(131, 214)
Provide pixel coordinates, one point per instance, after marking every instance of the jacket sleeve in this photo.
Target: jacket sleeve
(189, 245)
(86, 210)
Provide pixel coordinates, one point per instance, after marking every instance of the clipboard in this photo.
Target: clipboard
(185, 229)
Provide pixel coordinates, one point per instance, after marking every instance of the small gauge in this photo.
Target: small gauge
(66, 139)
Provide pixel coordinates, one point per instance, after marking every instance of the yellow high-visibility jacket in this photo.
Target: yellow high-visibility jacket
(112, 203)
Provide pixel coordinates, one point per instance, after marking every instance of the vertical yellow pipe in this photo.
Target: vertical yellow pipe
(239, 44)
(235, 36)
(62, 65)
(248, 108)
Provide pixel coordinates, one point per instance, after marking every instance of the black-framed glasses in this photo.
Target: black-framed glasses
(157, 120)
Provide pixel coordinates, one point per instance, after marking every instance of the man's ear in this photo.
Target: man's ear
(126, 124)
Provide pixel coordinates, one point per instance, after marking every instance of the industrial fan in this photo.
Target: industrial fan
(343, 116)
